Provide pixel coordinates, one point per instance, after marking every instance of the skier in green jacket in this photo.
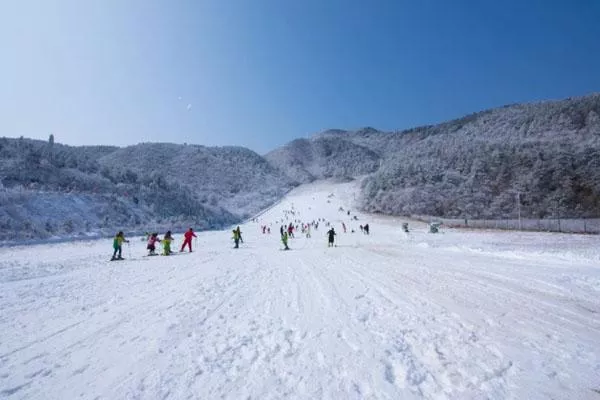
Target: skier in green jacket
(117, 245)
(236, 238)
(166, 242)
(284, 240)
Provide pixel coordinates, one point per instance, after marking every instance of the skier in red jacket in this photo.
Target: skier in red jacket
(188, 239)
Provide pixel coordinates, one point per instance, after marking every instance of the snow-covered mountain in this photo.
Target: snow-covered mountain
(472, 167)
(48, 189)
(235, 178)
(320, 157)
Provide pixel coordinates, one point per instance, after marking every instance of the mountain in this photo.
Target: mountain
(547, 154)
(49, 189)
(235, 178)
(306, 160)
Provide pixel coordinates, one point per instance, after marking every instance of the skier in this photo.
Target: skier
(152, 244)
(284, 240)
(239, 233)
(331, 235)
(166, 242)
(188, 240)
(344, 227)
(117, 246)
(366, 229)
(236, 238)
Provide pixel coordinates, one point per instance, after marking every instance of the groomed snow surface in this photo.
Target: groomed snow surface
(454, 315)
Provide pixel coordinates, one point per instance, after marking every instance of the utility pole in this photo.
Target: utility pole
(558, 214)
(519, 208)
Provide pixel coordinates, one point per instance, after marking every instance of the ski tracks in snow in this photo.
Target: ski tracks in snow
(420, 347)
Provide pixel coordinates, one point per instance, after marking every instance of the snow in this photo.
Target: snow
(458, 314)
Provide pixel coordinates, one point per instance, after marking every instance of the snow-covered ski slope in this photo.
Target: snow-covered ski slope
(453, 315)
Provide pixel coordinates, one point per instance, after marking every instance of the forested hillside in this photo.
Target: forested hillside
(543, 156)
(546, 154)
(50, 189)
(306, 160)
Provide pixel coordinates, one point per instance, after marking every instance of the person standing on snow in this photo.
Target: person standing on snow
(188, 240)
(167, 239)
(331, 237)
(152, 244)
(284, 240)
(239, 233)
(117, 246)
(236, 238)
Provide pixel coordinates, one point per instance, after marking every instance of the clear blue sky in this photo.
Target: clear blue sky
(259, 73)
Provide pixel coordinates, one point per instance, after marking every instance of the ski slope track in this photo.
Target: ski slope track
(454, 315)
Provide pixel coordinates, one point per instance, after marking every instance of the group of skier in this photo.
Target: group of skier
(152, 239)
(286, 232)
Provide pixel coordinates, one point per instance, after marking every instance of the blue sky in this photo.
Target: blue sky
(259, 73)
